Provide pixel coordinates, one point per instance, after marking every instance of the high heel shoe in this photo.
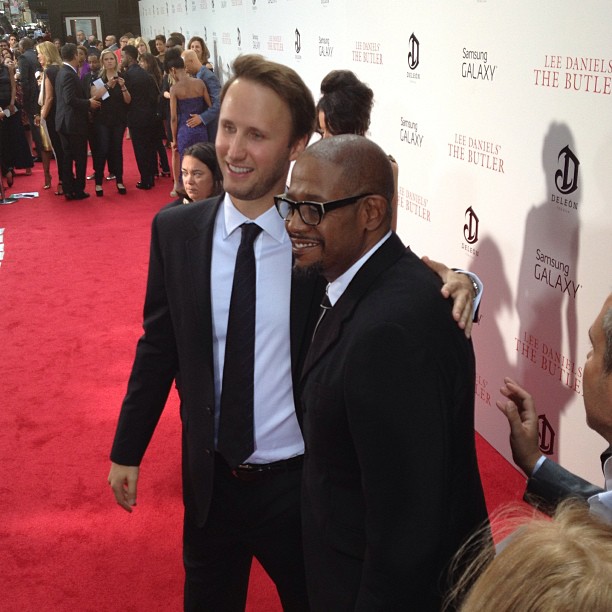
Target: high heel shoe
(121, 188)
(47, 184)
(99, 191)
(60, 189)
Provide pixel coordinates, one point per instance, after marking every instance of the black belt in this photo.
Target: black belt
(257, 471)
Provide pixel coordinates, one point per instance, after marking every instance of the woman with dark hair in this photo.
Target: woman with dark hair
(344, 108)
(84, 67)
(149, 62)
(345, 105)
(200, 171)
(110, 122)
(197, 44)
(188, 97)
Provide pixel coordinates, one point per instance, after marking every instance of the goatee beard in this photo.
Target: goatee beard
(312, 271)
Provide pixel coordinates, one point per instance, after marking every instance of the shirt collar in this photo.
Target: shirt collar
(269, 221)
(336, 288)
(71, 66)
(607, 469)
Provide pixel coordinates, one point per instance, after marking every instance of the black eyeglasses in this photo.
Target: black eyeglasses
(311, 213)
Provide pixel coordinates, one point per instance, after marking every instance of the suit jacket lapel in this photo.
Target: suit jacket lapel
(331, 326)
(306, 294)
(199, 257)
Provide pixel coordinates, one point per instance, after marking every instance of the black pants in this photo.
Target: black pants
(247, 519)
(108, 148)
(144, 142)
(74, 147)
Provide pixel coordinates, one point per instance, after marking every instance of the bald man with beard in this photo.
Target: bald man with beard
(210, 117)
(391, 486)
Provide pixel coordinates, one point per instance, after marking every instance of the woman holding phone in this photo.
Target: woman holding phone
(110, 122)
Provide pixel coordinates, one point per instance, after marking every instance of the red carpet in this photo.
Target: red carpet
(71, 284)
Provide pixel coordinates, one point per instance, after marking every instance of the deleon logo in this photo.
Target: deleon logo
(470, 229)
(239, 36)
(566, 178)
(298, 41)
(413, 53)
(546, 435)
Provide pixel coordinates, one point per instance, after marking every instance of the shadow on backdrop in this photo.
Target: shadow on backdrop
(547, 291)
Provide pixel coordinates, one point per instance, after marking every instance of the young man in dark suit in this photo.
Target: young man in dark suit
(391, 486)
(71, 121)
(141, 116)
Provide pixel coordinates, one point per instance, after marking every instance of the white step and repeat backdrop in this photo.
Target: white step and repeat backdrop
(499, 115)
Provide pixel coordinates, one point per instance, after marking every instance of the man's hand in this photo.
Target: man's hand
(123, 480)
(523, 419)
(194, 120)
(94, 104)
(459, 287)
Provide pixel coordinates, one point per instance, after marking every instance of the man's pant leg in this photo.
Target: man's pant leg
(66, 170)
(79, 144)
(145, 154)
(74, 163)
(246, 519)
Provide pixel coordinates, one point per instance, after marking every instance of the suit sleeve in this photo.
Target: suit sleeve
(213, 85)
(72, 93)
(552, 484)
(398, 424)
(154, 369)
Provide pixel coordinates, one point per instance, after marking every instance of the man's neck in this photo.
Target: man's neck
(252, 208)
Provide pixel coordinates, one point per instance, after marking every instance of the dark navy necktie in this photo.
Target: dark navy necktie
(325, 306)
(236, 436)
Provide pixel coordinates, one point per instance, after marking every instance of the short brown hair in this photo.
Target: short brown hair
(205, 51)
(283, 81)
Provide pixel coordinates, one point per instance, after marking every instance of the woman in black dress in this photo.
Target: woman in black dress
(50, 60)
(7, 108)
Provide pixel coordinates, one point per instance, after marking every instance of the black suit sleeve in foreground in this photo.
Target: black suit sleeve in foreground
(405, 452)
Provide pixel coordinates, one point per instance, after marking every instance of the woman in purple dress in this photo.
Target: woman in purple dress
(188, 99)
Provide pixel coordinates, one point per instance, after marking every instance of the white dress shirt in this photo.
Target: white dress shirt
(336, 288)
(277, 432)
(601, 504)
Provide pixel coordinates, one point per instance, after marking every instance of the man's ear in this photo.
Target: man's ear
(376, 211)
(297, 147)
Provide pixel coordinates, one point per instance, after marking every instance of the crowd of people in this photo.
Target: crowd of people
(65, 100)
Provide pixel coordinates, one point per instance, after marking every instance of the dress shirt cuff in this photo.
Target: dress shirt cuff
(538, 465)
(474, 278)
